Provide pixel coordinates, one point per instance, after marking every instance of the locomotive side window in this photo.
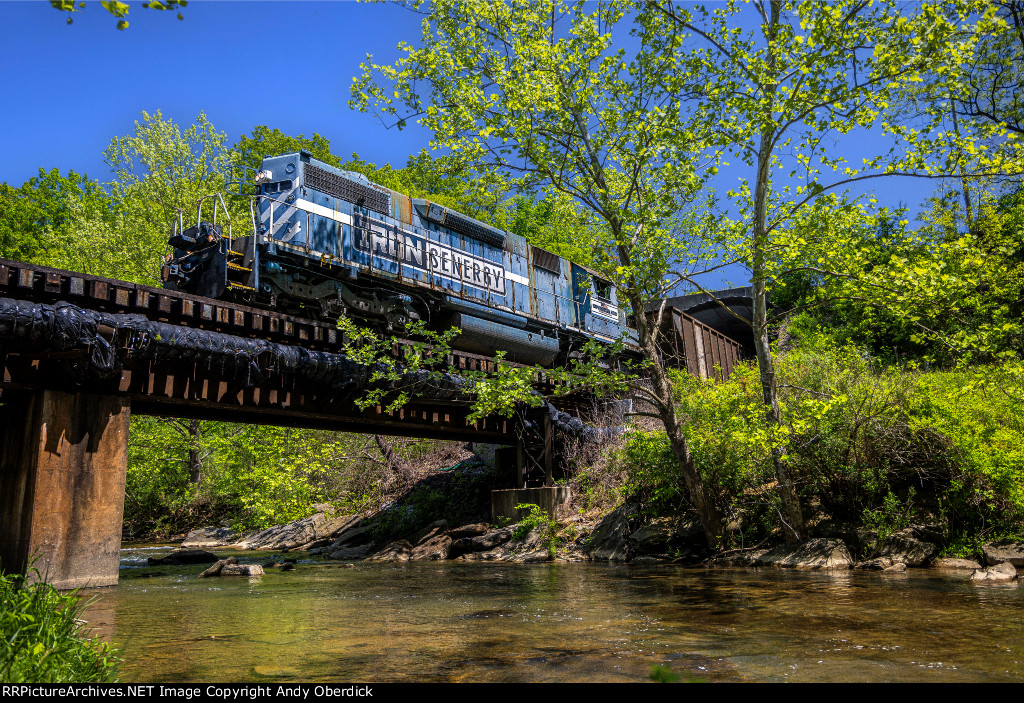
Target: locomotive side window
(602, 289)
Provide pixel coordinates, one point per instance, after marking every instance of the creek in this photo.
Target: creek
(564, 622)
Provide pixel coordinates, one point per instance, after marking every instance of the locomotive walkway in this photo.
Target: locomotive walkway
(79, 354)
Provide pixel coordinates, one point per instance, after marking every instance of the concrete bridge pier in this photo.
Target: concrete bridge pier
(62, 471)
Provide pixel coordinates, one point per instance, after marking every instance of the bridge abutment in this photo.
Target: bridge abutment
(62, 474)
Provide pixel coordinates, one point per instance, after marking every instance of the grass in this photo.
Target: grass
(41, 639)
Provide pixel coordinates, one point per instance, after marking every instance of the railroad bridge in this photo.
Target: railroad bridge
(80, 353)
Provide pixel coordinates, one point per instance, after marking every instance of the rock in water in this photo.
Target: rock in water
(1000, 572)
(298, 532)
(468, 531)
(905, 547)
(819, 553)
(208, 537)
(184, 556)
(608, 543)
(358, 534)
(654, 537)
(1004, 551)
(242, 570)
(961, 564)
(359, 552)
(216, 568)
(879, 564)
(481, 543)
(397, 551)
(434, 548)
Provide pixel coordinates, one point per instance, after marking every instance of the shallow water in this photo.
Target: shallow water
(451, 621)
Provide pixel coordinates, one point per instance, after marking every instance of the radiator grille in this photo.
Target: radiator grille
(470, 228)
(546, 260)
(346, 189)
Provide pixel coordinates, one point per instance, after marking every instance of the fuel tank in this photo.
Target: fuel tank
(486, 337)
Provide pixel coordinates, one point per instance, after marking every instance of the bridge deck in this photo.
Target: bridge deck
(194, 389)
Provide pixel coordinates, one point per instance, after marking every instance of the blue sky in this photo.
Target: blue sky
(69, 89)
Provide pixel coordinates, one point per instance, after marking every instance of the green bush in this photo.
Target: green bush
(880, 434)
(536, 517)
(852, 438)
(40, 638)
(884, 446)
(980, 413)
(730, 443)
(184, 473)
(652, 472)
(730, 439)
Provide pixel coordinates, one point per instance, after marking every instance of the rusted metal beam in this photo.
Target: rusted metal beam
(699, 349)
(190, 390)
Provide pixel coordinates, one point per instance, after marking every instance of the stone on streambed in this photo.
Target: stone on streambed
(360, 552)
(738, 557)
(466, 546)
(609, 539)
(216, 568)
(819, 553)
(469, 531)
(432, 543)
(299, 533)
(242, 570)
(431, 531)
(1005, 550)
(904, 546)
(955, 564)
(654, 537)
(281, 564)
(211, 536)
(231, 567)
(668, 535)
(529, 548)
(433, 548)
(354, 541)
(180, 557)
(1000, 572)
(398, 551)
(877, 564)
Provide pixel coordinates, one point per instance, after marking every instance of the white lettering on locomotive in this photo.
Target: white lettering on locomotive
(438, 259)
(604, 308)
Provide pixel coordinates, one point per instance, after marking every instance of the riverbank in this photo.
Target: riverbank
(623, 535)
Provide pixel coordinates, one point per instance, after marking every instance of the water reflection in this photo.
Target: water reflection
(556, 622)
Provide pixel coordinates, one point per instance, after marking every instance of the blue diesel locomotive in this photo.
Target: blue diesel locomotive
(334, 243)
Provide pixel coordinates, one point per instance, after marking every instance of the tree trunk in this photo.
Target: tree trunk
(710, 517)
(792, 518)
(195, 456)
(396, 464)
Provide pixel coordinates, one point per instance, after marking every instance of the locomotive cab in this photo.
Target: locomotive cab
(595, 304)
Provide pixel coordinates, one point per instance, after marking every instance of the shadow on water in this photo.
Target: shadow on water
(448, 621)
